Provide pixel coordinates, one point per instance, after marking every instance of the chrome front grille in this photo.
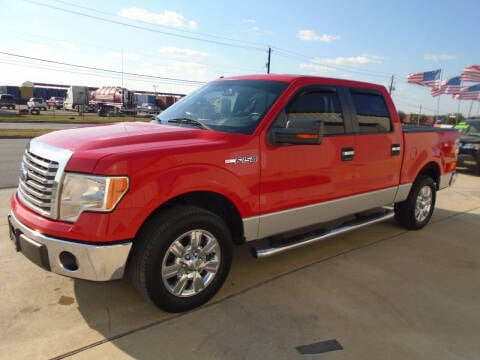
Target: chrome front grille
(42, 170)
(37, 183)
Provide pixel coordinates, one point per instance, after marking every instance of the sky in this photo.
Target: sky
(176, 46)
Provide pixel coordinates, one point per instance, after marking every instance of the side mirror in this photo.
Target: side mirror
(299, 132)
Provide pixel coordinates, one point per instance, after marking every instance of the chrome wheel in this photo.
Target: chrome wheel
(191, 263)
(423, 204)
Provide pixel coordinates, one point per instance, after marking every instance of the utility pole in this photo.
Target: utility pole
(268, 61)
(391, 88)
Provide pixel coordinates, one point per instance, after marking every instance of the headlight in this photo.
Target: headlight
(90, 193)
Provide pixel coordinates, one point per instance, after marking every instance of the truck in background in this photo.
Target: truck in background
(14, 91)
(77, 99)
(109, 100)
(8, 101)
(154, 104)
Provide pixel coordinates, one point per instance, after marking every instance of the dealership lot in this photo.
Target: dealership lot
(379, 292)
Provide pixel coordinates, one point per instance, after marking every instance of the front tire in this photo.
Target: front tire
(181, 258)
(415, 212)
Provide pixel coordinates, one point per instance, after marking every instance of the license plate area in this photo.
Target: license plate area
(35, 252)
(13, 235)
(32, 250)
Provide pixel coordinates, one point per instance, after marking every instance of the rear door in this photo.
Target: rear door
(378, 148)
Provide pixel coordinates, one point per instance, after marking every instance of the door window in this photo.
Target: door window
(372, 112)
(316, 105)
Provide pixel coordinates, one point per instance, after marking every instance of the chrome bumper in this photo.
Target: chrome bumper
(82, 261)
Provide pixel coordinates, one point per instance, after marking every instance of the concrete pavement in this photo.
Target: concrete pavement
(380, 292)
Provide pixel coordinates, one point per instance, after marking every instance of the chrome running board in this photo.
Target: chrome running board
(297, 242)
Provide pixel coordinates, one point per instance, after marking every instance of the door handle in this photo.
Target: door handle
(396, 149)
(348, 154)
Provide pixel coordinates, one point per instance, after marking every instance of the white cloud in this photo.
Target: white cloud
(354, 60)
(309, 35)
(165, 18)
(183, 52)
(249, 21)
(316, 68)
(441, 57)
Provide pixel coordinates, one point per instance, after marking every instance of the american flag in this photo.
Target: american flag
(426, 78)
(469, 93)
(438, 90)
(450, 86)
(471, 73)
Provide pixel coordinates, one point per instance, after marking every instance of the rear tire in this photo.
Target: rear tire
(415, 212)
(181, 258)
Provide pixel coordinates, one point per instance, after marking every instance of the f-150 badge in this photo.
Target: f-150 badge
(242, 160)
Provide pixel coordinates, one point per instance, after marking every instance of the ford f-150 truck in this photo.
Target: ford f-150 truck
(272, 160)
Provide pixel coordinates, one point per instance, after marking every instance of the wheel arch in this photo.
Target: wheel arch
(432, 170)
(211, 201)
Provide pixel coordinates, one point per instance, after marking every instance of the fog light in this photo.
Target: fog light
(68, 261)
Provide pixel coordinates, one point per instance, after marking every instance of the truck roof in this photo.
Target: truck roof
(290, 78)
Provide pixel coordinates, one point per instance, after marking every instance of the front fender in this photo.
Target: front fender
(149, 190)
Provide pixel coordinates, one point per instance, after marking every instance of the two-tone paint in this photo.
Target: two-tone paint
(273, 189)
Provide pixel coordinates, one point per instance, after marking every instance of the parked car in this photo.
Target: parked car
(37, 103)
(55, 102)
(7, 100)
(469, 141)
(149, 108)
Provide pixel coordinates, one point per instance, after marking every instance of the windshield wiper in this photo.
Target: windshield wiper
(189, 121)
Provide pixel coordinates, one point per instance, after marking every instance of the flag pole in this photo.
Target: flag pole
(458, 111)
(470, 110)
(438, 100)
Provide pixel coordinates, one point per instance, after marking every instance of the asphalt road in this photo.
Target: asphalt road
(11, 152)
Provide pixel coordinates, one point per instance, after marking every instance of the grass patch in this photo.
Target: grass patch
(22, 133)
(67, 118)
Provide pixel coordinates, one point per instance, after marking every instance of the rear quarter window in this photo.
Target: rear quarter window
(372, 112)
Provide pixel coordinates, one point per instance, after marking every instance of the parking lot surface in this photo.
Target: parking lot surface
(376, 293)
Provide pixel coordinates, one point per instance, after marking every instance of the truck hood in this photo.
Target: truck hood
(103, 137)
(91, 144)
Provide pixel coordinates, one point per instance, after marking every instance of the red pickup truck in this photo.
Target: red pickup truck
(268, 159)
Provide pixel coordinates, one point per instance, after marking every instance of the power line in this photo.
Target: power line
(76, 5)
(194, 36)
(178, 81)
(28, 37)
(138, 27)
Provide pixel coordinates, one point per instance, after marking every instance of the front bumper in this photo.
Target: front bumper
(77, 260)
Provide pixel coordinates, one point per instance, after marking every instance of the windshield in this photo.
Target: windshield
(471, 128)
(235, 106)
